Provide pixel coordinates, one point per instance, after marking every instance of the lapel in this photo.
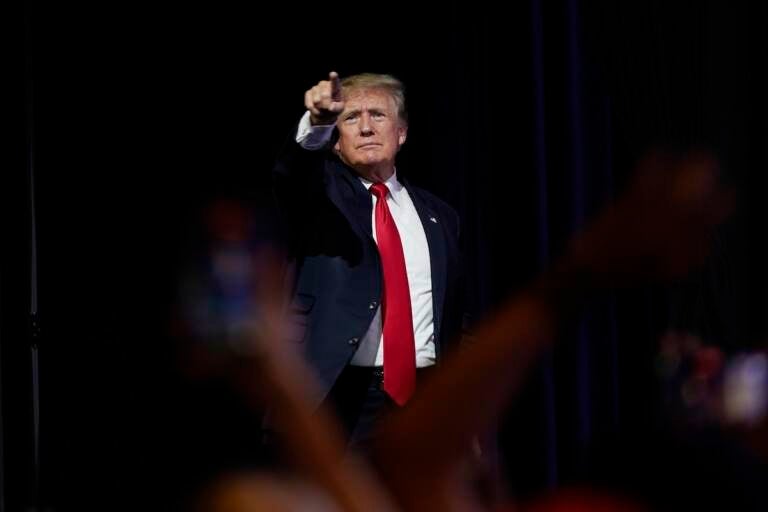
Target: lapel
(433, 229)
(351, 198)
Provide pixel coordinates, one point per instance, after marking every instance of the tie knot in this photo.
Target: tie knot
(379, 190)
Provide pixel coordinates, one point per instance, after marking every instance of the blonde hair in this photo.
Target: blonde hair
(387, 83)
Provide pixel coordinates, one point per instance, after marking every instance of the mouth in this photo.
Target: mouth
(369, 145)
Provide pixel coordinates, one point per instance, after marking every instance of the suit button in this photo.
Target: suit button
(373, 304)
(353, 341)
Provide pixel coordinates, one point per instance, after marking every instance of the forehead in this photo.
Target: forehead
(360, 99)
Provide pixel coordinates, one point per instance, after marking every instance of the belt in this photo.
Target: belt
(376, 373)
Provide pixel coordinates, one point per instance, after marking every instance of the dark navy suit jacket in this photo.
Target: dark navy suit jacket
(338, 281)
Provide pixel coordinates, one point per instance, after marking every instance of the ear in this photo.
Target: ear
(402, 134)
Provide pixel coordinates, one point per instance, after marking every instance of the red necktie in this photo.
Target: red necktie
(399, 347)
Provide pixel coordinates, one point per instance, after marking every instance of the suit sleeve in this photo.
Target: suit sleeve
(298, 186)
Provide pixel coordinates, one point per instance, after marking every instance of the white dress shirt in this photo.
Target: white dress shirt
(370, 352)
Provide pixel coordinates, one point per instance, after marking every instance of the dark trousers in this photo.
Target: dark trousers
(360, 402)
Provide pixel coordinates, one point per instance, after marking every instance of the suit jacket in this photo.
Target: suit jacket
(337, 282)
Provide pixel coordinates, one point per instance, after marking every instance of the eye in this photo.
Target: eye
(350, 118)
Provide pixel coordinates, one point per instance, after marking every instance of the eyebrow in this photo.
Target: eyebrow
(358, 110)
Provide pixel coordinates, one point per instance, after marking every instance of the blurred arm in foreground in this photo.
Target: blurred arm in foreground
(658, 230)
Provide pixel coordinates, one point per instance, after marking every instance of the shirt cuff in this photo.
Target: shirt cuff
(313, 137)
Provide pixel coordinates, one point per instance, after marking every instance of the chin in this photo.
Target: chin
(370, 160)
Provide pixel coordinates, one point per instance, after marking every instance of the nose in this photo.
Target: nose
(366, 127)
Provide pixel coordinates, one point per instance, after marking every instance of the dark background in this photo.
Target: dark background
(527, 118)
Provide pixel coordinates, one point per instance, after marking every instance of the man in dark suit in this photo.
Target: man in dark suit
(375, 301)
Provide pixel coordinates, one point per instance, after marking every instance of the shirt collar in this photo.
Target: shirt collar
(393, 184)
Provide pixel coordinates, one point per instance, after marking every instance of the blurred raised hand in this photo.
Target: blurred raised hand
(661, 227)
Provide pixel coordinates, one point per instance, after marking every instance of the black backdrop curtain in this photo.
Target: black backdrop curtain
(528, 118)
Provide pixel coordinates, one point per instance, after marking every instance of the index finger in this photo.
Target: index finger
(335, 86)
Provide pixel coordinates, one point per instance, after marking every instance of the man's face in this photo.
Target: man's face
(370, 132)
